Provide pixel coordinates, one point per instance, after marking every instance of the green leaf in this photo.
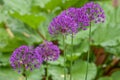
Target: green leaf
(5, 74)
(23, 32)
(60, 61)
(56, 72)
(75, 3)
(105, 78)
(7, 43)
(50, 6)
(79, 70)
(75, 56)
(4, 58)
(40, 3)
(113, 49)
(76, 40)
(3, 16)
(30, 19)
(36, 74)
(4, 38)
(12, 44)
(21, 6)
(82, 47)
(116, 75)
(106, 35)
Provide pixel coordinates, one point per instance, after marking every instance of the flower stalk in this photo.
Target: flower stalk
(24, 73)
(71, 57)
(89, 50)
(47, 71)
(64, 57)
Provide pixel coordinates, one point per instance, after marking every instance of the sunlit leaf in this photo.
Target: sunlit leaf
(30, 19)
(79, 70)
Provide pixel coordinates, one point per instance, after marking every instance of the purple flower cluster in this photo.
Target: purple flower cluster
(25, 57)
(49, 51)
(28, 58)
(80, 17)
(62, 24)
(94, 12)
(70, 20)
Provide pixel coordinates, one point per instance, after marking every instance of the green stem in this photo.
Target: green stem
(116, 15)
(41, 35)
(64, 57)
(46, 71)
(88, 55)
(24, 74)
(26, 77)
(71, 58)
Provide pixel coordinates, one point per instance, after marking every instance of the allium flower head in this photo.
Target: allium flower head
(94, 12)
(25, 57)
(83, 19)
(63, 24)
(79, 16)
(49, 51)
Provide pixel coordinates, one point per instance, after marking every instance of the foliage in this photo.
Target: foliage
(25, 18)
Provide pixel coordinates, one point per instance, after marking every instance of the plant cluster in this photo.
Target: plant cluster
(69, 21)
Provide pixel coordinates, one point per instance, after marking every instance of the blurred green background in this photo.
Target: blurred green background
(23, 21)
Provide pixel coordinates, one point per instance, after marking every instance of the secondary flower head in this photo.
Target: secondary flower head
(49, 51)
(80, 17)
(78, 14)
(94, 12)
(62, 24)
(25, 57)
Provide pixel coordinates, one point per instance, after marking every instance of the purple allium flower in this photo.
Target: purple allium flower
(25, 57)
(79, 15)
(49, 51)
(63, 24)
(94, 12)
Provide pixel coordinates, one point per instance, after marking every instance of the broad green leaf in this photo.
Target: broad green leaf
(82, 47)
(113, 49)
(116, 75)
(40, 3)
(76, 3)
(36, 74)
(56, 72)
(7, 43)
(106, 35)
(79, 70)
(75, 56)
(60, 61)
(21, 6)
(30, 19)
(105, 78)
(9, 74)
(23, 32)
(76, 40)
(1, 2)
(4, 58)
(50, 6)
(3, 16)
(3, 38)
